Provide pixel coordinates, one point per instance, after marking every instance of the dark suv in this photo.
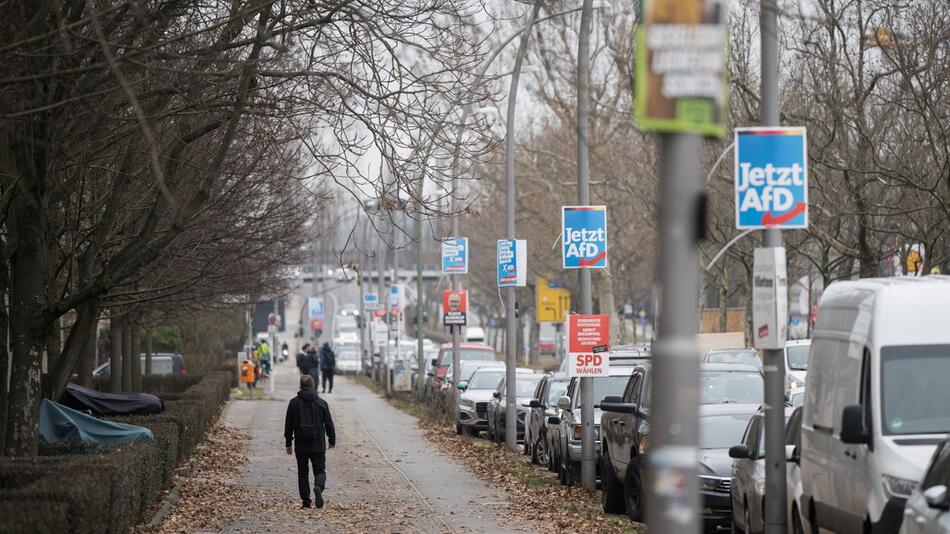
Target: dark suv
(624, 428)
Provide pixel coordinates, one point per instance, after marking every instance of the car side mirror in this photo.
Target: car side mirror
(936, 497)
(462, 386)
(615, 399)
(554, 420)
(535, 403)
(852, 425)
(496, 394)
(740, 452)
(564, 403)
(791, 454)
(618, 407)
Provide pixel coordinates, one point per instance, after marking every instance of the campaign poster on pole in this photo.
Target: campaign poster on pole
(771, 181)
(455, 255)
(584, 237)
(395, 295)
(769, 298)
(680, 80)
(512, 262)
(454, 307)
(588, 345)
(315, 307)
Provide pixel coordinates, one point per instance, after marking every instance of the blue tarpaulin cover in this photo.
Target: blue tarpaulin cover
(59, 424)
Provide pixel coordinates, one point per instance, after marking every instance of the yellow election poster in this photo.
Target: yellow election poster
(552, 303)
(681, 66)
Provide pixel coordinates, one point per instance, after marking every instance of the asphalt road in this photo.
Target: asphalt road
(383, 476)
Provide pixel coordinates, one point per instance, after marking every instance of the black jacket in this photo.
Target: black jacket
(327, 359)
(324, 432)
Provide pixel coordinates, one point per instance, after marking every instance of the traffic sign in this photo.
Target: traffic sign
(315, 307)
(454, 307)
(552, 304)
(512, 262)
(769, 298)
(455, 255)
(584, 237)
(588, 345)
(395, 292)
(771, 174)
(370, 301)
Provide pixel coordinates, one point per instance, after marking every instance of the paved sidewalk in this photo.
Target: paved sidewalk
(383, 476)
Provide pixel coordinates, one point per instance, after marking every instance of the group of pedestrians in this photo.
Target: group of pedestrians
(313, 362)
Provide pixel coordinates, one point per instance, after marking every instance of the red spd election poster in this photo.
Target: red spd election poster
(588, 345)
(454, 307)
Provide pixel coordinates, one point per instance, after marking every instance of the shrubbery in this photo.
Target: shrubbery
(111, 491)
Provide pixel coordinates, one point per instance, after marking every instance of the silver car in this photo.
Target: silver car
(473, 398)
(926, 511)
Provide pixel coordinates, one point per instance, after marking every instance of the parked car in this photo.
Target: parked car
(474, 396)
(347, 356)
(876, 399)
(440, 365)
(526, 380)
(568, 449)
(743, 356)
(793, 472)
(730, 383)
(542, 406)
(163, 363)
(624, 428)
(748, 476)
(926, 511)
(796, 362)
(795, 397)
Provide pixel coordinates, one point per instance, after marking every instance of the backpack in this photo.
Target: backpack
(329, 360)
(307, 421)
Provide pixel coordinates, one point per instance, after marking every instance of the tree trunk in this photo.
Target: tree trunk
(724, 300)
(87, 360)
(134, 337)
(606, 298)
(127, 356)
(54, 346)
(5, 359)
(115, 353)
(148, 349)
(81, 341)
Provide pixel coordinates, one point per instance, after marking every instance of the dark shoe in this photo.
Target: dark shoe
(318, 497)
(306, 504)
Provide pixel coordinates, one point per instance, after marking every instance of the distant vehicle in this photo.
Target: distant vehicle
(343, 274)
(163, 363)
(793, 472)
(796, 362)
(468, 367)
(474, 333)
(440, 366)
(348, 356)
(730, 383)
(624, 443)
(474, 397)
(926, 511)
(349, 309)
(743, 356)
(795, 397)
(543, 405)
(526, 380)
(876, 401)
(748, 476)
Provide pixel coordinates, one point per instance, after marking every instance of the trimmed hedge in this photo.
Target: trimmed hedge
(111, 491)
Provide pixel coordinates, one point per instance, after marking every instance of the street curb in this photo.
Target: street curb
(167, 502)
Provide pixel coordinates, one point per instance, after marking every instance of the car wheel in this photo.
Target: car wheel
(527, 449)
(633, 490)
(537, 454)
(611, 490)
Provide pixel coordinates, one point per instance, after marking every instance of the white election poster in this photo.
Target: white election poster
(769, 298)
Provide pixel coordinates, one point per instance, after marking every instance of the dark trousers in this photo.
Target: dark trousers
(319, 461)
(314, 373)
(327, 377)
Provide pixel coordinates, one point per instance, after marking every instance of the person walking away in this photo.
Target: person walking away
(308, 423)
(313, 364)
(247, 376)
(265, 357)
(284, 352)
(302, 356)
(327, 366)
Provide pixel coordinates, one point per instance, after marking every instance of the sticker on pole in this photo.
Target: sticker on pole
(584, 237)
(512, 262)
(771, 178)
(455, 255)
(588, 345)
(769, 298)
(315, 307)
(454, 307)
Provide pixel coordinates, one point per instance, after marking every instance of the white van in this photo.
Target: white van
(877, 400)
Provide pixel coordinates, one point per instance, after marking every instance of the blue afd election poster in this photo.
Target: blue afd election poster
(512, 262)
(455, 255)
(771, 178)
(584, 237)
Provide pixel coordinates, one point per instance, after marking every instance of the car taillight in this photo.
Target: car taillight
(576, 431)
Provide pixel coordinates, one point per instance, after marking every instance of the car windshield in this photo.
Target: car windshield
(348, 353)
(486, 380)
(722, 431)
(797, 357)
(469, 355)
(914, 392)
(604, 386)
(556, 390)
(466, 372)
(741, 387)
(748, 357)
(526, 384)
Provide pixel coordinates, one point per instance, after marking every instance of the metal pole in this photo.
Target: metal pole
(774, 363)
(511, 326)
(382, 299)
(672, 458)
(588, 462)
(420, 301)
